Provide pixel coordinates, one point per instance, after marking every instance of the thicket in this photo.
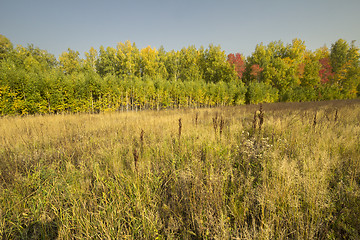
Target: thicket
(127, 78)
(280, 171)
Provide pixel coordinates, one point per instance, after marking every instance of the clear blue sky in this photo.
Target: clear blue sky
(238, 26)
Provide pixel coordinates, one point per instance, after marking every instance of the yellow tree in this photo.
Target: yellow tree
(310, 76)
(128, 56)
(149, 63)
(296, 51)
(5, 46)
(70, 61)
(90, 60)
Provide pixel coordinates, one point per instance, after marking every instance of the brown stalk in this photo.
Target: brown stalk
(314, 121)
(336, 115)
(222, 123)
(215, 123)
(142, 140)
(180, 126)
(136, 158)
(196, 118)
(261, 117)
(254, 120)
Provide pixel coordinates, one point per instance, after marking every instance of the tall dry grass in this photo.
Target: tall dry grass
(185, 174)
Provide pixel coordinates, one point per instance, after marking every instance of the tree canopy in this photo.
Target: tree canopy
(127, 78)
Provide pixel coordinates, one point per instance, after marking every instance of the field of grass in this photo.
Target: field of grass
(283, 171)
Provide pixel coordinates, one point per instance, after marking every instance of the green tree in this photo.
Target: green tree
(162, 58)
(338, 55)
(215, 65)
(353, 72)
(172, 65)
(107, 62)
(189, 69)
(346, 66)
(260, 92)
(279, 66)
(310, 75)
(70, 61)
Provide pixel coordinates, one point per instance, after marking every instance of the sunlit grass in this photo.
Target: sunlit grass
(77, 177)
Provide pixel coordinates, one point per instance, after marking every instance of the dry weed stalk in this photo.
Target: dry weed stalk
(314, 121)
(336, 115)
(215, 122)
(142, 136)
(221, 125)
(136, 158)
(142, 140)
(327, 117)
(196, 118)
(254, 120)
(261, 117)
(180, 127)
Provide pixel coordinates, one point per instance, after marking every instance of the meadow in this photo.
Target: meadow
(271, 171)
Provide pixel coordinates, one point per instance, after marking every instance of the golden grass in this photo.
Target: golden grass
(149, 175)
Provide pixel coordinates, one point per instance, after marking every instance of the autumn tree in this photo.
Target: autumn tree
(126, 78)
(261, 58)
(326, 73)
(128, 59)
(281, 66)
(255, 71)
(296, 50)
(149, 62)
(238, 63)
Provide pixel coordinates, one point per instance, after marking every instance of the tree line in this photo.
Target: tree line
(33, 81)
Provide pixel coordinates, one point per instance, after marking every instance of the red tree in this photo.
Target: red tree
(255, 71)
(325, 71)
(237, 61)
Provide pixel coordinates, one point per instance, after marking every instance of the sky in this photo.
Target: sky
(237, 26)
